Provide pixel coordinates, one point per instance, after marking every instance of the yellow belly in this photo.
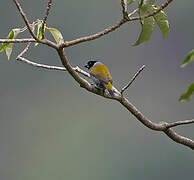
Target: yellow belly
(108, 86)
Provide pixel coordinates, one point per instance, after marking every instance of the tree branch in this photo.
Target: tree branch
(179, 139)
(82, 82)
(132, 80)
(114, 27)
(133, 12)
(27, 40)
(46, 16)
(162, 126)
(25, 19)
(24, 51)
(94, 36)
(44, 66)
(43, 41)
(124, 12)
(163, 6)
(48, 67)
(178, 123)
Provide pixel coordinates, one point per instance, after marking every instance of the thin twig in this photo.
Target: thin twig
(132, 80)
(163, 6)
(133, 12)
(124, 9)
(46, 16)
(27, 40)
(49, 67)
(43, 41)
(24, 51)
(44, 66)
(170, 125)
(25, 20)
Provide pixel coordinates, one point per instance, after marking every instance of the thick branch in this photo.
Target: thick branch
(163, 126)
(179, 139)
(154, 126)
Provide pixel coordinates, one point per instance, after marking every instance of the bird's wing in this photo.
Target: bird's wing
(102, 73)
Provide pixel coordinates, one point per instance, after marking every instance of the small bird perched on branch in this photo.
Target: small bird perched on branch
(100, 76)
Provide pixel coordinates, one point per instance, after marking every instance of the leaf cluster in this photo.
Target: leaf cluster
(147, 7)
(7, 46)
(190, 90)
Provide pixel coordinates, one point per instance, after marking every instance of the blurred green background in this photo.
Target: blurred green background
(50, 128)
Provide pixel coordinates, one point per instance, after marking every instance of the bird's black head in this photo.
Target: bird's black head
(90, 64)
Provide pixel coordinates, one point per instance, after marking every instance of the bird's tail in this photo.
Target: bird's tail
(111, 93)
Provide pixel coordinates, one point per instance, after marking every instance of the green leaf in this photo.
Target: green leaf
(56, 34)
(8, 50)
(147, 24)
(39, 31)
(8, 46)
(187, 95)
(4, 45)
(162, 21)
(188, 59)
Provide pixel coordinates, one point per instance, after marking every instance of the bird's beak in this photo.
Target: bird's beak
(86, 66)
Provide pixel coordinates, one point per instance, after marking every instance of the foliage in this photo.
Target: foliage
(7, 46)
(188, 59)
(148, 24)
(187, 95)
(190, 91)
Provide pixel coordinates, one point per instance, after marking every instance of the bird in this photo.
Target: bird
(100, 75)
